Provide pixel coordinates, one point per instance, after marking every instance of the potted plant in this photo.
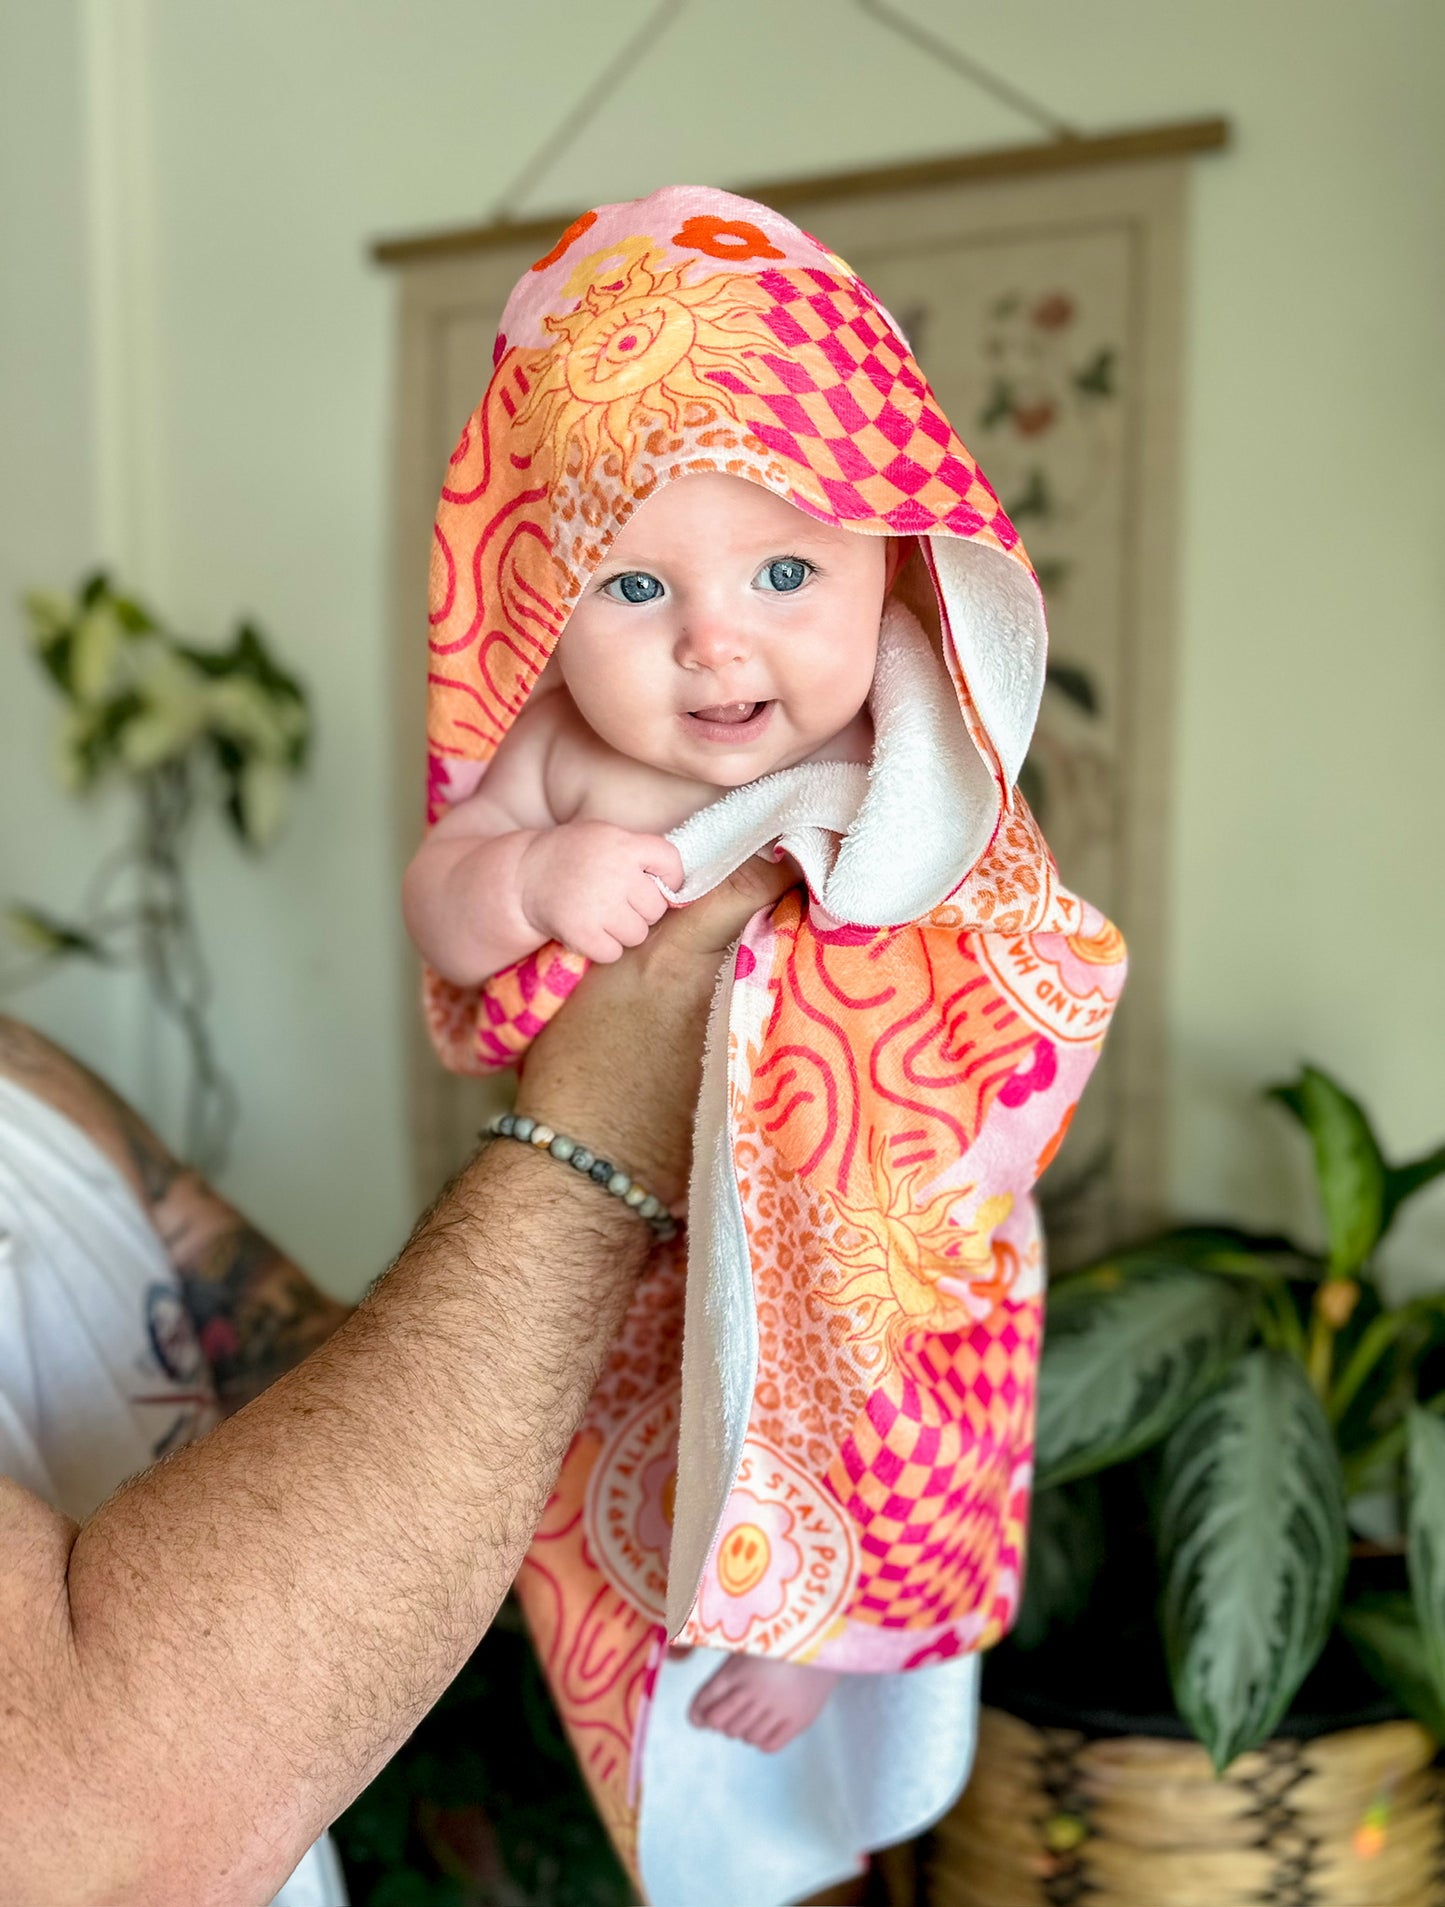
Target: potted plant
(1239, 1536)
(184, 727)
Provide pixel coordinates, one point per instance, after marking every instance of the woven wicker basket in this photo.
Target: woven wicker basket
(1051, 1817)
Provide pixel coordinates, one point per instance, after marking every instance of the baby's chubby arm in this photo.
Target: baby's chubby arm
(500, 874)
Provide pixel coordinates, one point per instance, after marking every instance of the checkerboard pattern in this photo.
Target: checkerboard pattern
(518, 1002)
(926, 1473)
(487, 1030)
(848, 396)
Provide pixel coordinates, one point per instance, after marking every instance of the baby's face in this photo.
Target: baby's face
(727, 634)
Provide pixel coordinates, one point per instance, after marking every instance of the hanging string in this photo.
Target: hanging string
(662, 17)
(641, 43)
(971, 70)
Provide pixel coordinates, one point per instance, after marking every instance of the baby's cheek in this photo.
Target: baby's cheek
(837, 694)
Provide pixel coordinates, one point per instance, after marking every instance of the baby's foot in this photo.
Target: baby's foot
(766, 1703)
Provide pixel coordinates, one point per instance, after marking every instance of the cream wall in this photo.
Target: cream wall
(49, 504)
(192, 274)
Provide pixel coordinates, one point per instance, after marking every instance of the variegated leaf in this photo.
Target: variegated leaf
(1125, 1357)
(1253, 1546)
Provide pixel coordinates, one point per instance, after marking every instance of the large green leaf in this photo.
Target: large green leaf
(1253, 1545)
(1065, 1554)
(1425, 1535)
(1386, 1634)
(1349, 1166)
(1126, 1356)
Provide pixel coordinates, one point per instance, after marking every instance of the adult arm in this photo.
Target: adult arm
(256, 1312)
(203, 1675)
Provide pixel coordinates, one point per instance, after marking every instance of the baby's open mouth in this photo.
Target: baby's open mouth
(728, 724)
(728, 714)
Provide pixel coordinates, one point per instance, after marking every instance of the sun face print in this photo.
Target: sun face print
(639, 348)
(906, 1264)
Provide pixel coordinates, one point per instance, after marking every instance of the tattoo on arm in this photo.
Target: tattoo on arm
(256, 1312)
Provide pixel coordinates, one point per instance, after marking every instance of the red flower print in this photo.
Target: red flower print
(573, 232)
(1030, 419)
(725, 238)
(1053, 312)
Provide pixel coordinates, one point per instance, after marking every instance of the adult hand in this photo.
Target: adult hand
(621, 1064)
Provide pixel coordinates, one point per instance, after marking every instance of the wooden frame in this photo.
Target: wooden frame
(1128, 187)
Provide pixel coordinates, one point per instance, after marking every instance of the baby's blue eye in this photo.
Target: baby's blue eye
(784, 573)
(635, 587)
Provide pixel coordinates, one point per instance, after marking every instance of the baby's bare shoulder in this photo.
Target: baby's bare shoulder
(553, 762)
(589, 780)
(514, 791)
(574, 759)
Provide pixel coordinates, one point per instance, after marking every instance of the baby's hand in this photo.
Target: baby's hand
(588, 884)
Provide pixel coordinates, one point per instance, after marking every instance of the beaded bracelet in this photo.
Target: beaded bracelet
(532, 1132)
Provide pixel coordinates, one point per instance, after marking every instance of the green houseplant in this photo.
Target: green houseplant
(184, 727)
(1282, 1425)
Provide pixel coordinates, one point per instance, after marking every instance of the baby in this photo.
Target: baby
(728, 634)
(660, 572)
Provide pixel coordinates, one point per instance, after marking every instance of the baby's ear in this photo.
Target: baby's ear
(897, 548)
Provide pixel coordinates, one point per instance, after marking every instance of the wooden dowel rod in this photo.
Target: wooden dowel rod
(1000, 162)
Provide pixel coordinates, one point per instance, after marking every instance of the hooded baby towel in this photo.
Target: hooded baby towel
(813, 1440)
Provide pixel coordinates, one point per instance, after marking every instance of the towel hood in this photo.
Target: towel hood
(696, 331)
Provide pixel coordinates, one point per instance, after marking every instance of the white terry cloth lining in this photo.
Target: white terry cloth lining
(996, 624)
(724, 1825)
(878, 845)
(720, 1326)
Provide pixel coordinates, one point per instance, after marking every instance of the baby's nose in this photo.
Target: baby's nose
(711, 642)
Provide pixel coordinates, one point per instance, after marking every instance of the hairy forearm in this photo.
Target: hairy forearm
(315, 1572)
(201, 1677)
(462, 902)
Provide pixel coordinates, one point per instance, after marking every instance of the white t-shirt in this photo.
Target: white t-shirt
(100, 1369)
